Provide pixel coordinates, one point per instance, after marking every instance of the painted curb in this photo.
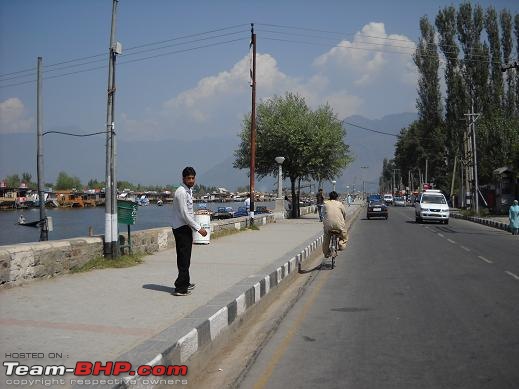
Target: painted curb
(486, 222)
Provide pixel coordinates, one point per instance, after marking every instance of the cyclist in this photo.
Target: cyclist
(334, 219)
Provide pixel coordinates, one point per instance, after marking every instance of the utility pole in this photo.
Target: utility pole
(253, 125)
(426, 170)
(472, 118)
(44, 232)
(111, 249)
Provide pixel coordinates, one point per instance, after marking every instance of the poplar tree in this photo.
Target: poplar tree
(507, 44)
(496, 79)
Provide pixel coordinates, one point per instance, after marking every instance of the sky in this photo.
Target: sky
(184, 70)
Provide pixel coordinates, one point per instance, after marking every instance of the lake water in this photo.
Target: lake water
(72, 223)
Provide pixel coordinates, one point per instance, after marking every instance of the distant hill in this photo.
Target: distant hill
(161, 162)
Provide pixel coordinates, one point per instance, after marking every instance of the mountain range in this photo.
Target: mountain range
(161, 162)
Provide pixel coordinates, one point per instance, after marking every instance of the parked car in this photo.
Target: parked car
(432, 205)
(223, 213)
(242, 211)
(388, 198)
(399, 201)
(377, 208)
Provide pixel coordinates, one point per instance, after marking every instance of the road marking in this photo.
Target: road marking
(484, 259)
(512, 274)
(441, 235)
(450, 240)
(465, 248)
(283, 346)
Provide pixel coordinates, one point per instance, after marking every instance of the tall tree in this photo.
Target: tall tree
(516, 30)
(311, 142)
(496, 79)
(64, 181)
(509, 102)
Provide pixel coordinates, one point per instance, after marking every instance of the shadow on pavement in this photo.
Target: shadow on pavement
(159, 288)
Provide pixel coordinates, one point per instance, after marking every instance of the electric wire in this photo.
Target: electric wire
(70, 134)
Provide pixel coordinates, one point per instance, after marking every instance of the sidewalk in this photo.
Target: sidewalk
(499, 222)
(130, 314)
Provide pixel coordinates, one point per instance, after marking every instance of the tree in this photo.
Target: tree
(311, 142)
(65, 182)
(496, 79)
(13, 181)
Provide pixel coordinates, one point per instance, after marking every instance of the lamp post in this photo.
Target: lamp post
(280, 200)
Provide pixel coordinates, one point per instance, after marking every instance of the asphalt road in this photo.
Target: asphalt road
(408, 306)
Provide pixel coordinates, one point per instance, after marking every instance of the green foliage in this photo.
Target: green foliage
(311, 141)
(13, 181)
(203, 190)
(66, 182)
(104, 263)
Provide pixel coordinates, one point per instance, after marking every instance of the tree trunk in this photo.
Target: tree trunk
(293, 213)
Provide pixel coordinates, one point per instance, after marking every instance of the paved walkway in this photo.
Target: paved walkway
(103, 314)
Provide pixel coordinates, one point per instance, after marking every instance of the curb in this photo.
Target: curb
(486, 222)
(200, 328)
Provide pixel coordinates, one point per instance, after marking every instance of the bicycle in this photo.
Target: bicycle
(334, 245)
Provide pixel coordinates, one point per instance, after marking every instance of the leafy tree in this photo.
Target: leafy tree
(13, 181)
(94, 184)
(496, 80)
(66, 182)
(311, 142)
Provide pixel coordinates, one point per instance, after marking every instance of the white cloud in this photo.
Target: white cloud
(13, 118)
(357, 77)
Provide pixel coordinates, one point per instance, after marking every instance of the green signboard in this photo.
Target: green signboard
(126, 212)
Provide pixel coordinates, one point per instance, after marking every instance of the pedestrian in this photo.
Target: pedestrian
(183, 226)
(320, 202)
(513, 216)
(349, 200)
(247, 202)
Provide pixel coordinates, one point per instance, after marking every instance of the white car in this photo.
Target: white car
(399, 201)
(432, 205)
(388, 198)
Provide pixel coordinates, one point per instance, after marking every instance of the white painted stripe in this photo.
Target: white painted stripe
(484, 259)
(237, 226)
(240, 304)
(279, 274)
(286, 269)
(465, 248)
(293, 262)
(257, 289)
(512, 274)
(267, 284)
(115, 233)
(188, 345)
(108, 227)
(441, 235)
(218, 322)
(450, 240)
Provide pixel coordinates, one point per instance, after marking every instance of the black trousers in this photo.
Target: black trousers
(184, 243)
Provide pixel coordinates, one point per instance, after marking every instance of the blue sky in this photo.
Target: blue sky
(203, 93)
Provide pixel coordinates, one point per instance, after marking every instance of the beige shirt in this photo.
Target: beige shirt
(334, 215)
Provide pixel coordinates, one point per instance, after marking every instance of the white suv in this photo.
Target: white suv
(432, 205)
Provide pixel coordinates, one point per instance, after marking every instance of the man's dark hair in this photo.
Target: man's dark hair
(188, 171)
(333, 195)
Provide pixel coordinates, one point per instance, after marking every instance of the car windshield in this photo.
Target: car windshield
(433, 199)
(372, 198)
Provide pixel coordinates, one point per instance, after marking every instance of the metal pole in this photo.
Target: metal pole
(44, 233)
(475, 156)
(280, 182)
(253, 126)
(111, 234)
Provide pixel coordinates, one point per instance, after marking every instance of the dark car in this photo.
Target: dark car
(377, 208)
(374, 197)
(242, 211)
(223, 213)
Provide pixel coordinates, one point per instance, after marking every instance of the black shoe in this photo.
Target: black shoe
(181, 293)
(191, 286)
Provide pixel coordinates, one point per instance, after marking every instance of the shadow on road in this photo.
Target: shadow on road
(159, 288)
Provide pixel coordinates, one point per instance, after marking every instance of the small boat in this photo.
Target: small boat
(30, 224)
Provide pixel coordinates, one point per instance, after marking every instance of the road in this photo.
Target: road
(408, 306)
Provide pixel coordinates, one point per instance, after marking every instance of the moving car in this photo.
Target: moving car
(399, 201)
(377, 208)
(432, 205)
(388, 198)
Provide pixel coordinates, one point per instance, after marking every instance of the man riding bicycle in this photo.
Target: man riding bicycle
(334, 221)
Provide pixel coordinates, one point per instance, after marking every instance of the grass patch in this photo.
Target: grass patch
(106, 263)
(253, 227)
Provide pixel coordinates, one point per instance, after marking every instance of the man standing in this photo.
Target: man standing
(183, 226)
(513, 216)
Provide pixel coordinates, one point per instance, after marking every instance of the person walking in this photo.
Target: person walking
(320, 202)
(513, 216)
(184, 224)
(349, 200)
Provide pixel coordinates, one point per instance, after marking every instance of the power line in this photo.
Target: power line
(70, 134)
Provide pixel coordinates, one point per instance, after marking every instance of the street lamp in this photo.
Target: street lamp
(280, 161)
(334, 182)
(280, 201)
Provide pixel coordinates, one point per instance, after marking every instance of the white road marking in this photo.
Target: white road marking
(441, 235)
(450, 240)
(465, 248)
(484, 259)
(512, 274)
